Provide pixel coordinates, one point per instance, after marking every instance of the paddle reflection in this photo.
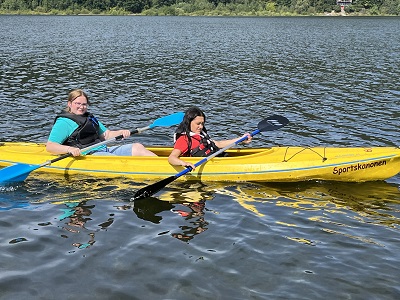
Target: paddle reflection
(149, 209)
(190, 205)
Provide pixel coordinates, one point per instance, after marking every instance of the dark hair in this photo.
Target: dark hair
(184, 127)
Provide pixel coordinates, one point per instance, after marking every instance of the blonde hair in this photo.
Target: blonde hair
(72, 95)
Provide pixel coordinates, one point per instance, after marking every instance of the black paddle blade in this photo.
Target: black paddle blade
(151, 189)
(272, 123)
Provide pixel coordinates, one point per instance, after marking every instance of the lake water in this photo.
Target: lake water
(336, 79)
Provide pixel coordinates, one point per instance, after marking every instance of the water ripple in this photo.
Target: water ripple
(336, 79)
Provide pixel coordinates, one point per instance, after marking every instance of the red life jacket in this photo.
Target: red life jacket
(206, 146)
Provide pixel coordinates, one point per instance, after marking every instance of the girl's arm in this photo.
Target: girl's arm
(174, 159)
(224, 143)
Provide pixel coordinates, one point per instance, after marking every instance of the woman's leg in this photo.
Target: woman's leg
(135, 149)
(140, 150)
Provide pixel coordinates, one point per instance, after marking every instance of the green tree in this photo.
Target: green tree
(134, 6)
(391, 7)
(14, 5)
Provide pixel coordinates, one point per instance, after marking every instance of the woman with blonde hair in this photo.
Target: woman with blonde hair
(76, 128)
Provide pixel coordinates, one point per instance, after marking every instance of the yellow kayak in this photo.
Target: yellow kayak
(275, 164)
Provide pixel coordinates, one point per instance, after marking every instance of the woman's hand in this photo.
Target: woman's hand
(126, 133)
(74, 151)
(110, 134)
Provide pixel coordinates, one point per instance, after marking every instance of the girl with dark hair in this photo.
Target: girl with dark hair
(191, 139)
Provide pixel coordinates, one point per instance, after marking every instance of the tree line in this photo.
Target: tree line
(200, 7)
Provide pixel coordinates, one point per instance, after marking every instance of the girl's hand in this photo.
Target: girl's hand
(187, 164)
(249, 138)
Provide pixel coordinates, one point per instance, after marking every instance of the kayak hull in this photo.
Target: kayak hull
(275, 164)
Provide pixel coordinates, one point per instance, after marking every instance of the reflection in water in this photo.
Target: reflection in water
(322, 203)
(359, 197)
(76, 192)
(189, 192)
(241, 194)
(148, 209)
(77, 215)
(328, 206)
(12, 198)
(366, 199)
(192, 210)
(194, 216)
(372, 202)
(188, 204)
(6, 204)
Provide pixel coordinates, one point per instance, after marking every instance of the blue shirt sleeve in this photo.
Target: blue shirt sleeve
(102, 128)
(62, 129)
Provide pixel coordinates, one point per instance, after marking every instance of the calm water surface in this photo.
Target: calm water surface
(336, 79)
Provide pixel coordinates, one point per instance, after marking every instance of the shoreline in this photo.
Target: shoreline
(210, 14)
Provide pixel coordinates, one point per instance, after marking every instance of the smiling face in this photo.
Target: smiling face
(78, 106)
(197, 125)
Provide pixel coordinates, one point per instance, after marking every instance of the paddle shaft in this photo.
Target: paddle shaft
(207, 158)
(117, 138)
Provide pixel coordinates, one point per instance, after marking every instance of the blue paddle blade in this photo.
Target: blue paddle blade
(170, 120)
(16, 173)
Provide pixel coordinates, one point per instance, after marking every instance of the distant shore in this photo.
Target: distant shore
(215, 13)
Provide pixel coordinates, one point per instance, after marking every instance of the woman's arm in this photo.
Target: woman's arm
(57, 148)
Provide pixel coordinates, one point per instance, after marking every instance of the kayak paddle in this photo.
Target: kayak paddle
(271, 123)
(20, 171)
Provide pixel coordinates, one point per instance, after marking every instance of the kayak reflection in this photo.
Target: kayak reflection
(183, 209)
(367, 202)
